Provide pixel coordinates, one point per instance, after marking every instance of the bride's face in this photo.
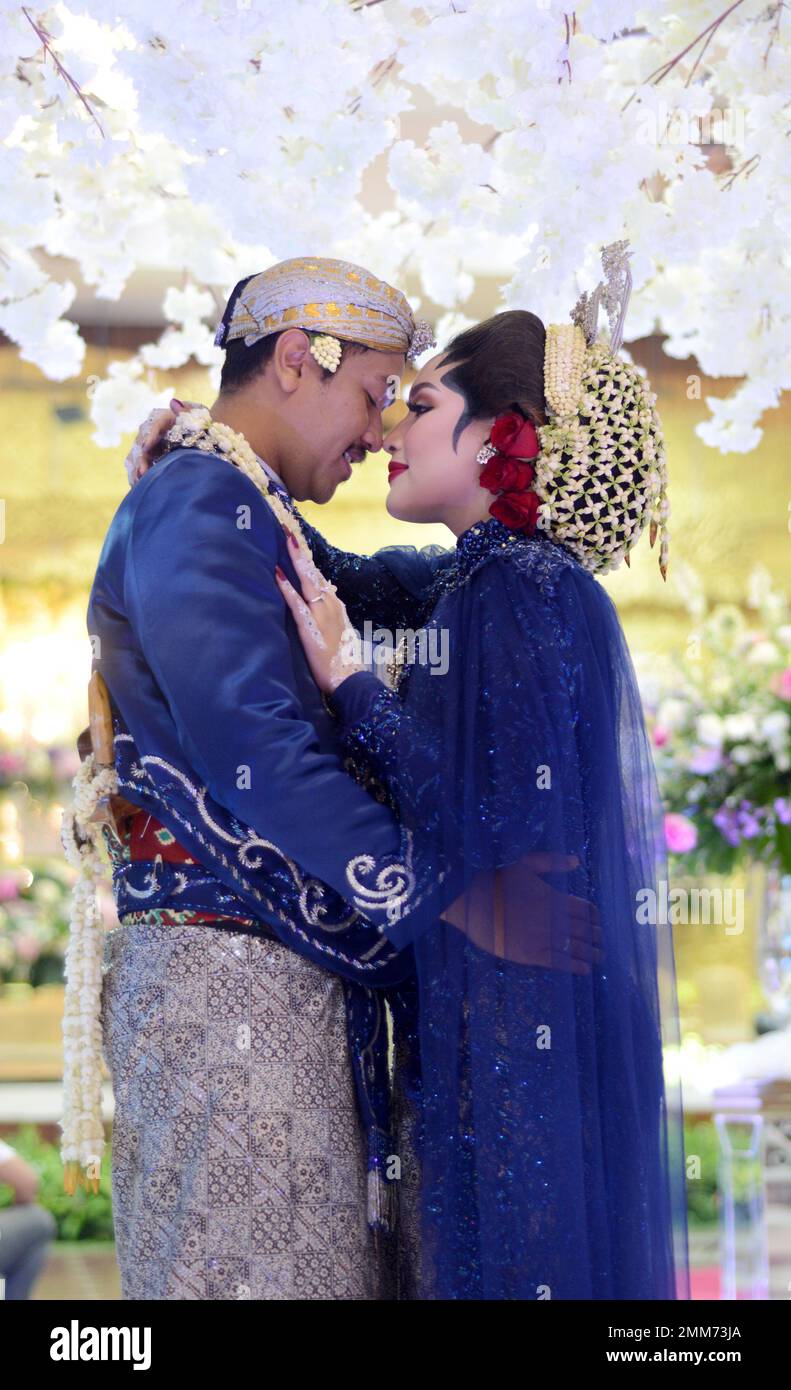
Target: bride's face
(433, 472)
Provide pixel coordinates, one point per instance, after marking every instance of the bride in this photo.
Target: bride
(550, 1150)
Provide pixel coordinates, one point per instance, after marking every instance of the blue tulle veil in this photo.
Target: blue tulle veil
(551, 1145)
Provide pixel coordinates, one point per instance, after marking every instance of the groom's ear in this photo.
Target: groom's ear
(291, 358)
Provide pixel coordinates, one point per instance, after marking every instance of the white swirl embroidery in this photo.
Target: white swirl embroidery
(150, 879)
(394, 885)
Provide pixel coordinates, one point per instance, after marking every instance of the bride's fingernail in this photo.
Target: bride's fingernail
(292, 540)
(175, 401)
(279, 572)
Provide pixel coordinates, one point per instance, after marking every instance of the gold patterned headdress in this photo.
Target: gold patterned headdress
(601, 474)
(333, 301)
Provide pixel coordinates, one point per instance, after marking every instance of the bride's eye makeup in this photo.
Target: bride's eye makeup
(417, 409)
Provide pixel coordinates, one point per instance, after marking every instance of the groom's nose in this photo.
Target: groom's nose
(372, 438)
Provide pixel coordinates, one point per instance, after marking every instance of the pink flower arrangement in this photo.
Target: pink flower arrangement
(780, 684)
(9, 888)
(680, 834)
(28, 948)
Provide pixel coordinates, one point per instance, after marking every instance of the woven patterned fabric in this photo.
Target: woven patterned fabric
(239, 1162)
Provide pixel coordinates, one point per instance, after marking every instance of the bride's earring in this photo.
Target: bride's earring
(485, 452)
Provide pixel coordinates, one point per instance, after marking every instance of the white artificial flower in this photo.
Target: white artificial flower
(710, 730)
(177, 346)
(763, 654)
(121, 401)
(59, 352)
(740, 726)
(727, 429)
(503, 193)
(34, 323)
(672, 713)
(745, 753)
(189, 305)
(775, 727)
(720, 686)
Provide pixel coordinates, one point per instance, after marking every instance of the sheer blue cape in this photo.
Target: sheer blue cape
(551, 1146)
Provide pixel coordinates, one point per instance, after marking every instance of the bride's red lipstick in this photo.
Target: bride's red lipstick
(394, 468)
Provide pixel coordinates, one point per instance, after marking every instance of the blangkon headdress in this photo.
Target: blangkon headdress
(333, 301)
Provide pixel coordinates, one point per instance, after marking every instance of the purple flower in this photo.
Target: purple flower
(783, 810)
(726, 821)
(748, 820)
(704, 760)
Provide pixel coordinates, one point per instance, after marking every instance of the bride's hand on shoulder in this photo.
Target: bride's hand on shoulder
(149, 442)
(331, 645)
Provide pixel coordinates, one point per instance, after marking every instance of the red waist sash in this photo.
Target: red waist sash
(148, 839)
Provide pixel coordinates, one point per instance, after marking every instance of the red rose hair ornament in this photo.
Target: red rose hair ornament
(512, 441)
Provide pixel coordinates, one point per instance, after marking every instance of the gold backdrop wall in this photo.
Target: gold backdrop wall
(60, 491)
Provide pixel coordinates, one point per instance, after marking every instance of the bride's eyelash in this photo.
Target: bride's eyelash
(417, 409)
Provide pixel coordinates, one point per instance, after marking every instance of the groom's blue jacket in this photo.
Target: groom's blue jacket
(221, 733)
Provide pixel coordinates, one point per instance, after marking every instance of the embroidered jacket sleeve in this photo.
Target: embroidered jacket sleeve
(202, 597)
(389, 589)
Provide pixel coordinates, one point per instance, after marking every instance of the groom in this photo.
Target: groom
(242, 1001)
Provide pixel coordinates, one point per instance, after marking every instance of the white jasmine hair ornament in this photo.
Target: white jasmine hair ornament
(601, 473)
(327, 351)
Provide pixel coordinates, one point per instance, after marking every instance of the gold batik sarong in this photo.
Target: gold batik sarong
(238, 1158)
